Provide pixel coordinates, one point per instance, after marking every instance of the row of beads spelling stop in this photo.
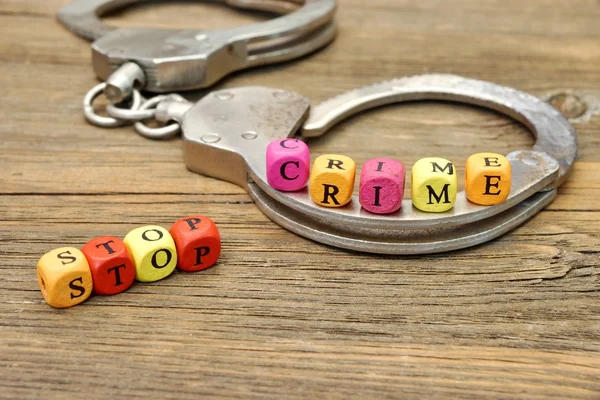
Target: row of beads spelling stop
(108, 265)
(433, 186)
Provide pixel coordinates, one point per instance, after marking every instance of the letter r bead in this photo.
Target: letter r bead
(288, 164)
(332, 180)
(198, 243)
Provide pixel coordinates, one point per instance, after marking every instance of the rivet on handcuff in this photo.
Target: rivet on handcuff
(227, 132)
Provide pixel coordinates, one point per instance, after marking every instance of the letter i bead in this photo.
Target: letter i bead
(111, 266)
(434, 184)
(332, 180)
(64, 277)
(488, 178)
(381, 185)
(198, 243)
(288, 164)
(153, 252)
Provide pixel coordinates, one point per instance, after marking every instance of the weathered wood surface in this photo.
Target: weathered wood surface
(281, 316)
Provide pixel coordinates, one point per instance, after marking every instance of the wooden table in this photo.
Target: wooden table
(281, 316)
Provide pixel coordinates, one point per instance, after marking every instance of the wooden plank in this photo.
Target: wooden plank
(281, 316)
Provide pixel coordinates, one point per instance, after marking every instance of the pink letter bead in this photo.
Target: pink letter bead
(288, 164)
(381, 185)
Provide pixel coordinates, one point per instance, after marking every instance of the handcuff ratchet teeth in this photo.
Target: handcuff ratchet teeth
(227, 132)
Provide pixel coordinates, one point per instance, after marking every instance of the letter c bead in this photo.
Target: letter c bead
(288, 164)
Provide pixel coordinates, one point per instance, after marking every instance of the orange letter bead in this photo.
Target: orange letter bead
(487, 178)
(112, 267)
(153, 252)
(64, 277)
(332, 180)
(198, 243)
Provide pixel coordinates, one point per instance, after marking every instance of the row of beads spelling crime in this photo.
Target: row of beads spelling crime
(108, 265)
(433, 187)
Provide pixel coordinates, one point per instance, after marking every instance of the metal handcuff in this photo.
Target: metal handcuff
(227, 132)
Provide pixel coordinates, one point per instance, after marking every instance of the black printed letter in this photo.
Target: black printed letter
(80, 289)
(117, 274)
(284, 166)
(433, 195)
(330, 191)
(489, 184)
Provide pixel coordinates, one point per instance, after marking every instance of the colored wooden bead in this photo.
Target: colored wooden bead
(488, 178)
(332, 180)
(381, 185)
(434, 184)
(288, 164)
(153, 252)
(64, 277)
(198, 243)
(111, 266)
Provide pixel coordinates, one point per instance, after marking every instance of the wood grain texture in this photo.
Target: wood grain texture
(281, 316)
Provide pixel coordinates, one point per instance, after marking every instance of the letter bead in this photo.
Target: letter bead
(332, 180)
(381, 185)
(288, 164)
(111, 266)
(434, 184)
(198, 243)
(153, 252)
(64, 277)
(488, 178)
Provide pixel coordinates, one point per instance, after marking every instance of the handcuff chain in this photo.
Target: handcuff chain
(140, 109)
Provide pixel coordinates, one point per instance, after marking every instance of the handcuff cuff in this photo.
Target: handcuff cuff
(226, 134)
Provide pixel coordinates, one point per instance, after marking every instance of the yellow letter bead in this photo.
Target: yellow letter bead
(488, 178)
(64, 276)
(153, 252)
(434, 184)
(332, 180)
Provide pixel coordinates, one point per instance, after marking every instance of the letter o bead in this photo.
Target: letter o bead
(153, 252)
(332, 180)
(64, 277)
(381, 185)
(111, 266)
(288, 164)
(434, 184)
(488, 178)
(198, 243)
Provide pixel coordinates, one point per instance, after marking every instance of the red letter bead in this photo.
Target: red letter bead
(112, 268)
(198, 243)
(381, 185)
(288, 164)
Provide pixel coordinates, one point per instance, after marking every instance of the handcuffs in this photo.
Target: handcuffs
(226, 133)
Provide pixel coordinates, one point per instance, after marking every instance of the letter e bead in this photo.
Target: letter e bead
(381, 185)
(288, 164)
(198, 243)
(434, 184)
(153, 252)
(332, 180)
(488, 178)
(111, 266)
(64, 277)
